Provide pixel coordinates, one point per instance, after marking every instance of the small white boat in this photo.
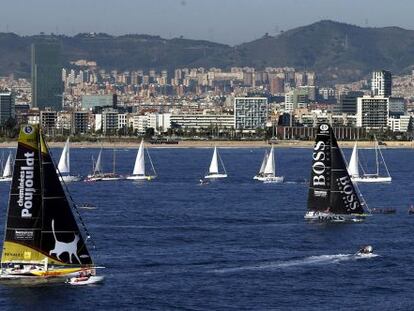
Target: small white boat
(139, 167)
(353, 168)
(63, 168)
(268, 174)
(7, 169)
(85, 280)
(213, 172)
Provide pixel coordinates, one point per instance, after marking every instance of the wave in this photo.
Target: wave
(312, 260)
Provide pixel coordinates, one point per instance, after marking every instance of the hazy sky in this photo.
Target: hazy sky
(226, 21)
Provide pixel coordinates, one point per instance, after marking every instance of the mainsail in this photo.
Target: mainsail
(40, 225)
(330, 187)
(64, 162)
(270, 164)
(139, 167)
(214, 163)
(7, 171)
(353, 169)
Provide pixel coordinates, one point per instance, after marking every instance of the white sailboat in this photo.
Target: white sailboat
(262, 166)
(139, 167)
(353, 168)
(63, 168)
(213, 171)
(7, 169)
(97, 173)
(269, 171)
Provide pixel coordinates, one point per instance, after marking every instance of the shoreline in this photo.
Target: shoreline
(221, 144)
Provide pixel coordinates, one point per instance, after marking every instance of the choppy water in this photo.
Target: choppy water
(172, 244)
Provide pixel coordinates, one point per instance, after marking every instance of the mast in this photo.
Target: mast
(113, 162)
(376, 155)
(330, 187)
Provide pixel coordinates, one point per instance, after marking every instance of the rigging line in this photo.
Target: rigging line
(152, 165)
(222, 164)
(73, 205)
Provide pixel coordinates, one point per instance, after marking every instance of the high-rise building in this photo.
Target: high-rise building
(372, 112)
(250, 113)
(47, 84)
(348, 102)
(381, 83)
(7, 106)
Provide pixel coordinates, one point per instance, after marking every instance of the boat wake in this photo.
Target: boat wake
(307, 261)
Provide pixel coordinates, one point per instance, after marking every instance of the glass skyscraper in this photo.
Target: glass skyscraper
(47, 84)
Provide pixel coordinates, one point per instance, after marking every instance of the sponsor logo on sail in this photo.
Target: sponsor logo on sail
(348, 194)
(26, 183)
(28, 129)
(318, 166)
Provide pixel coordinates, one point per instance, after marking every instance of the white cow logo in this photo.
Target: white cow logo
(65, 247)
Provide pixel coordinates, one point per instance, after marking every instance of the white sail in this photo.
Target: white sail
(139, 167)
(214, 163)
(353, 169)
(7, 172)
(262, 167)
(64, 162)
(270, 164)
(98, 164)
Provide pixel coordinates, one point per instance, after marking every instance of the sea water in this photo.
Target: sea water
(234, 244)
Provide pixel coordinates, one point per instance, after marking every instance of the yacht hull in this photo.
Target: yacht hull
(371, 179)
(5, 179)
(215, 176)
(313, 216)
(271, 179)
(69, 178)
(140, 177)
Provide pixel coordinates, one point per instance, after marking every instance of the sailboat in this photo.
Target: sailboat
(63, 168)
(139, 167)
(268, 174)
(353, 168)
(97, 172)
(332, 196)
(213, 171)
(7, 169)
(42, 240)
(113, 175)
(262, 167)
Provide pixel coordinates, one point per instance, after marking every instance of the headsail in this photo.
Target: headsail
(139, 167)
(330, 187)
(98, 165)
(64, 162)
(262, 167)
(40, 224)
(7, 171)
(214, 163)
(270, 164)
(353, 169)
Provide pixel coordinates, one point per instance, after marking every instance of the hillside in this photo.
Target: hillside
(337, 51)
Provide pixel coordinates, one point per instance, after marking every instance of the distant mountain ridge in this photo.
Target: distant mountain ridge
(336, 51)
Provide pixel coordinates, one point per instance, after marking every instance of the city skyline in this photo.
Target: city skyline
(215, 20)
